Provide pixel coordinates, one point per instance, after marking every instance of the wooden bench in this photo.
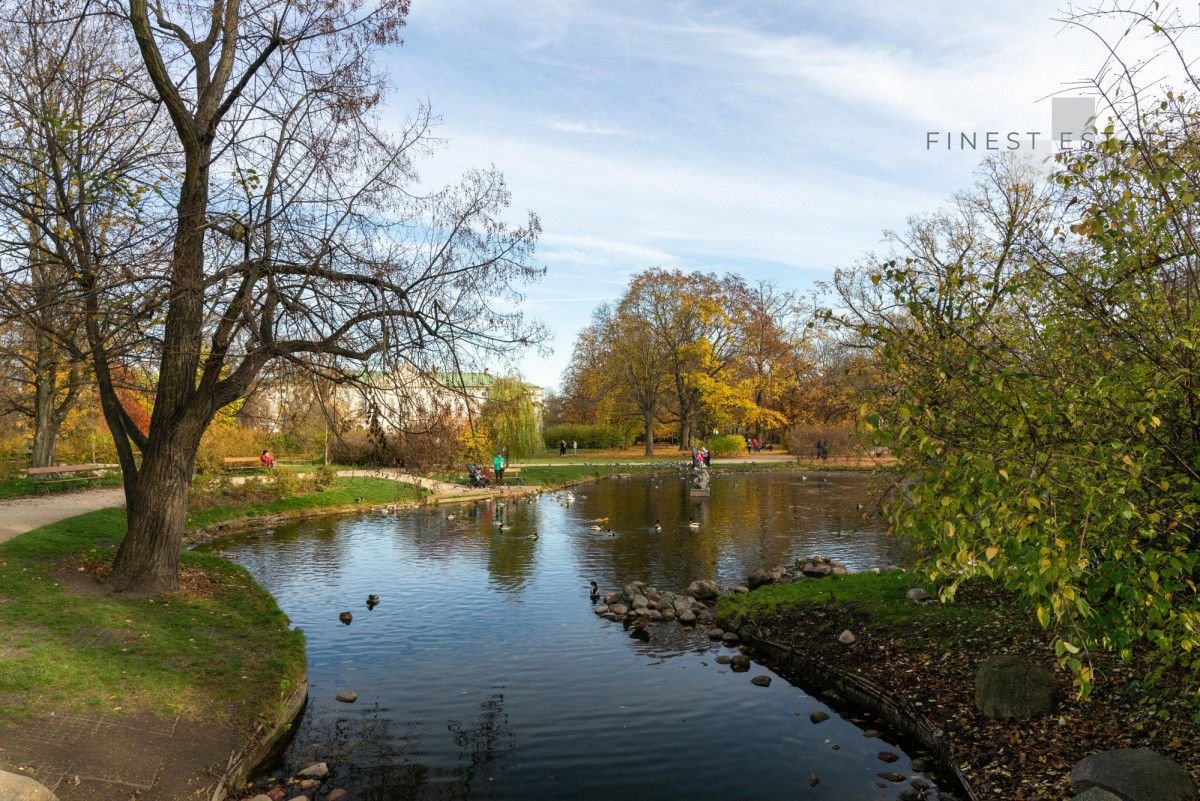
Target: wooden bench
(66, 472)
(295, 458)
(243, 462)
(512, 473)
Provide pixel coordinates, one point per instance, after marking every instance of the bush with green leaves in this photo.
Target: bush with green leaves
(727, 445)
(587, 436)
(1042, 351)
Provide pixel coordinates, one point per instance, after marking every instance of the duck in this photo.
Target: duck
(693, 525)
(595, 593)
(372, 600)
(533, 536)
(449, 517)
(346, 617)
(657, 525)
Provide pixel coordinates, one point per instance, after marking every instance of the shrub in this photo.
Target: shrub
(588, 436)
(841, 440)
(727, 445)
(324, 476)
(438, 444)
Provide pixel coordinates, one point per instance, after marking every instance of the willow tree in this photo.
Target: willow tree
(510, 417)
(287, 225)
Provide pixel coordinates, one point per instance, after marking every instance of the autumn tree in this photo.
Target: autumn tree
(283, 223)
(510, 417)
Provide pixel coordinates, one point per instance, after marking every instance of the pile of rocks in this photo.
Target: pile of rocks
(639, 603)
(304, 785)
(812, 567)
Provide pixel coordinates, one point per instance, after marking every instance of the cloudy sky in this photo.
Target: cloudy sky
(775, 139)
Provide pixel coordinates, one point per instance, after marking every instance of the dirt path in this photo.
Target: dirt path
(18, 515)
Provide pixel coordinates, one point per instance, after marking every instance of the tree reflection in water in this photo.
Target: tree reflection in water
(378, 764)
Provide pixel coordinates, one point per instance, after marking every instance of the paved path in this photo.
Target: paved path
(18, 515)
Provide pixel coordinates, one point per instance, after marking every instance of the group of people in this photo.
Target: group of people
(562, 447)
(822, 449)
(701, 457)
(754, 446)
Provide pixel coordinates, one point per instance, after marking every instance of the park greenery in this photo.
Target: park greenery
(1038, 344)
(684, 356)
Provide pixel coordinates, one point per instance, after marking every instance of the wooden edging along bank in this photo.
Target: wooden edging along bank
(265, 744)
(862, 692)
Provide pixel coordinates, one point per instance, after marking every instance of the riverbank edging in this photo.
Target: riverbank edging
(814, 672)
(263, 745)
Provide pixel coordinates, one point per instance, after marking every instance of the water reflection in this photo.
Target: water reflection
(484, 673)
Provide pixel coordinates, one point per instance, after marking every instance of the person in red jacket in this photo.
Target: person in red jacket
(268, 461)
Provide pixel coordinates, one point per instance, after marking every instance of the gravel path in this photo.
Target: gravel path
(18, 515)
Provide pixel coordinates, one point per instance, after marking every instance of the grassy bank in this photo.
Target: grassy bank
(218, 650)
(20, 486)
(348, 491)
(927, 655)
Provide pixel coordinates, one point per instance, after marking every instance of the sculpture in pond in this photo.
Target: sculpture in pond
(701, 481)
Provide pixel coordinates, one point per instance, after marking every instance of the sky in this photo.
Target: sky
(773, 139)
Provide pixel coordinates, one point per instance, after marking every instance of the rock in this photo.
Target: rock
(262, 797)
(641, 611)
(738, 589)
(816, 569)
(847, 637)
(310, 784)
(611, 616)
(919, 783)
(620, 610)
(687, 617)
(740, 663)
(876, 571)
(15, 787)
(841, 570)
(600, 609)
(611, 598)
(654, 614)
(639, 602)
(813, 780)
(818, 717)
(1134, 774)
(668, 613)
(1093, 794)
(873, 733)
(761, 681)
(724, 659)
(887, 756)
(715, 633)
(298, 798)
(633, 588)
(681, 604)
(704, 616)
(917, 594)
(346, 617)
(909, 794)
(891, 776)
(1008, 686)
(760, 578)
(921, 765)
(347, 697)
(729, 638)
(336, 794)
(704, 589)
(318, 770)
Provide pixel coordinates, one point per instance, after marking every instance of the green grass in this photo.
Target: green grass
(223, 654)
(367, 490)
(879, 595)
(21, 486)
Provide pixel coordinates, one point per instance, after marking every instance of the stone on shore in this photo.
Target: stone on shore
(1134, 774)
(761, 681)
(15, 787)
(729, 638)
(348, 697)
(847, 637)
(687, 617)
(917, 594)
(1008, 686)
(336, 794)
(715, 633)
(818, 717)
(1096, 794)
(620, 610)
(740, 663)
(318, 770)
(704, 589)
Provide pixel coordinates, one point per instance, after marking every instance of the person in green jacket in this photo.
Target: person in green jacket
(498, 465)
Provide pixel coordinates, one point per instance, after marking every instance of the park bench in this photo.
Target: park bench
(242, 462)
(66, 472)
(512, 474)
(295, 458)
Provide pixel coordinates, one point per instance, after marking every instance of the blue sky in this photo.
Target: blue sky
(772, 139)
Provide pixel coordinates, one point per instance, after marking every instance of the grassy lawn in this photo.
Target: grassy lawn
(21, 486)
(346, 492)
(877, 597)
(218, 650)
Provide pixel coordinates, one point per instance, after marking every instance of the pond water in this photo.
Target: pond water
(483, 672)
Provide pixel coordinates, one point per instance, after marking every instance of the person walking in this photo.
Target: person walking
(574, 448)
(498, 465)
(562, 447)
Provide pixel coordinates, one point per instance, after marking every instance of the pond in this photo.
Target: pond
(484, 673)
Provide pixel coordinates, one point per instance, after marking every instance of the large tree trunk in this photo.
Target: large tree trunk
(148, 559)
(45, 409)
(649, 434)
(685, 434)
